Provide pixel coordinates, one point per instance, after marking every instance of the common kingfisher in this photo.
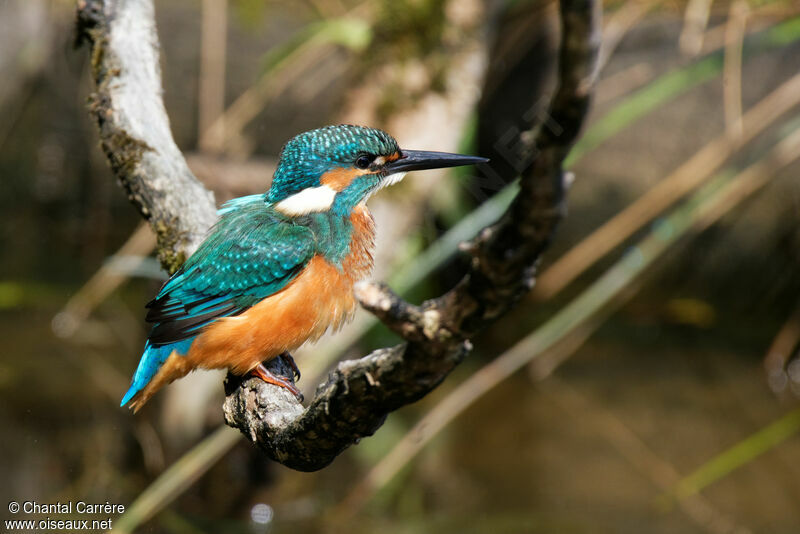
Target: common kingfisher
(278, 269)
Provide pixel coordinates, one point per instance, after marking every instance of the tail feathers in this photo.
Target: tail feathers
(152, 360)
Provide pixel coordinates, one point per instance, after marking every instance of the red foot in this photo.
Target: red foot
(266, 375)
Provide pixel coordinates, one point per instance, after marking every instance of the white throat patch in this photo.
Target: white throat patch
(309, 200)
(392, 179)
(386, 182)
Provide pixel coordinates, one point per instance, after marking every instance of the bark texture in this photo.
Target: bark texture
(357, 396)
(135, 135)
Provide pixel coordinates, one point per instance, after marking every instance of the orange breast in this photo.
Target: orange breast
(321, 297)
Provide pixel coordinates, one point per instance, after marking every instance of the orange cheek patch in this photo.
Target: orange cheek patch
(339, 179)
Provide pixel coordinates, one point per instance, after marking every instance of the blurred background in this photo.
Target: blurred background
(658, 375)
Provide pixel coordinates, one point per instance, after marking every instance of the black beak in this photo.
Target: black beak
(418, 160)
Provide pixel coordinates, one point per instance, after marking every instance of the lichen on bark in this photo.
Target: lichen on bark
(134, 129)
(357, 396)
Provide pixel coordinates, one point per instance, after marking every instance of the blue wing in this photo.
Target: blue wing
(239, 202)
(251, 253)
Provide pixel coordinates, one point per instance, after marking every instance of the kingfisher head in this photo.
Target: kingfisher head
(337, 167)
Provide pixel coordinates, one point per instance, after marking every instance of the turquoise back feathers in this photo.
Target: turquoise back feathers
(252, 252)
(309, 221)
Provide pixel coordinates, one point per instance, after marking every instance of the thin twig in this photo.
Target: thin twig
(694, 26)
(631, 447)
(358, 394)
(226, 130)
(620, 23)
(581, 315)
(101, 284)
(211, 90)
(670, 189)
(780, 351)
(168, 485)
(732, 70)
(732, 458)
(134, 128)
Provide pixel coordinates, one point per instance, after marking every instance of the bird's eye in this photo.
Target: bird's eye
(363, 162)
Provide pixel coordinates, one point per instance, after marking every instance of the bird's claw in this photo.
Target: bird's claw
(288, 360)
(270, 378)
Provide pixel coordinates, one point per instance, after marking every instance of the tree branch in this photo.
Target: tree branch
(134, 128)
(357, 396)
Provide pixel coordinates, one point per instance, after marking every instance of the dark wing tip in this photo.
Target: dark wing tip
(172, 331)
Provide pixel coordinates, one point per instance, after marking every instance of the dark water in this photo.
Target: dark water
(657, 392)
(529, 457)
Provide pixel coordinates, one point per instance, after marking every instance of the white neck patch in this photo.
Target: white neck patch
(386, 182)
(389, 180)
(309, 200)
(316, 199)
(392, 179)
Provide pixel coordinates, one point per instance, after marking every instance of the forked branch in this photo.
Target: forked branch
(357, 396)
